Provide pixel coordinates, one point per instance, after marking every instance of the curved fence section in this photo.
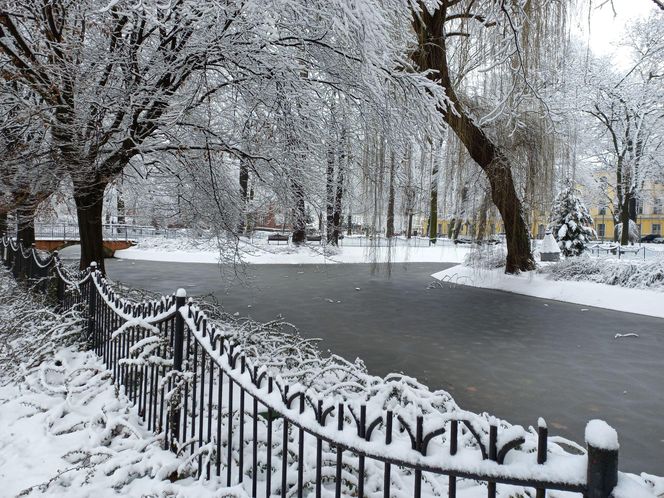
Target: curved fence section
(235, 421)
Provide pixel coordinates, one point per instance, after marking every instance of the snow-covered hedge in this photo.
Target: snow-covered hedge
(624, 273)
(486, 257)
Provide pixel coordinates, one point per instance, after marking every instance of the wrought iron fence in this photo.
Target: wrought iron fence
(231, 418)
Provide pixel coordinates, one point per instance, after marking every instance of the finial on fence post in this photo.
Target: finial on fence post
(602, 443)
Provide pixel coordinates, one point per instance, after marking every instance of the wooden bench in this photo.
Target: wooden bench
(277, 237)
(314, 238)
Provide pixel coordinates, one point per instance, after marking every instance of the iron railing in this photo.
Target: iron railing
(231, 418)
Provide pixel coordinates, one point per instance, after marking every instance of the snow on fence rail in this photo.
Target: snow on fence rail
(225, 415)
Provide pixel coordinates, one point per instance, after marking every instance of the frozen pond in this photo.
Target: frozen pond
(514, 356)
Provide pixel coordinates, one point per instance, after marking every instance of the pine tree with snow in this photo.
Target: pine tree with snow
(572, 225)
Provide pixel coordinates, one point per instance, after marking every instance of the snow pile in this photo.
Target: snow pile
(549, 244)
(635, 274)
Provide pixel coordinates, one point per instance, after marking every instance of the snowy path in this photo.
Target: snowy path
(516, 356)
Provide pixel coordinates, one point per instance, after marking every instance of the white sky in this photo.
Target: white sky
(607, 29)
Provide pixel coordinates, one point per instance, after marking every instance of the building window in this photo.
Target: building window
(601, 230)
(657, 229)
(541, 230)
(639, 207)
(658, 208)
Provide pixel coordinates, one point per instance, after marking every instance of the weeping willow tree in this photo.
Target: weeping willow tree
(491, 53)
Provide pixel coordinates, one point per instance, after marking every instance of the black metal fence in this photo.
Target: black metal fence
(232, 419)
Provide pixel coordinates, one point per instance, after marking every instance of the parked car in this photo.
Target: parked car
(655, 238)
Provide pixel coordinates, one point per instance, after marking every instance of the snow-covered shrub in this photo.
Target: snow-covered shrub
(486, 257)
(624, 273)
(572, 225)
(30, 330)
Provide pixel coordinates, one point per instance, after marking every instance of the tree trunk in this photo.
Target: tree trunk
(329, 192)
(25, 221)
(336, 220)
(244, 195)
(339, 192)
(299, 214)
(120, 204)
(432, 55)
(457, 229)
(350, 225)
(481, 225)
(89, 201)
(624, 219)
(389, 231)
(410, 225)
(433, 202)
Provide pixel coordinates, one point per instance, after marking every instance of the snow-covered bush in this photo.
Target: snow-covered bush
(30, 330)
(572, 225)
(624, 273)
(486, 257)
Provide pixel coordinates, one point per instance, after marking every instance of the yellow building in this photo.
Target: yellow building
(650, 218)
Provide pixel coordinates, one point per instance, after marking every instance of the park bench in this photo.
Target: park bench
(314, 238)
(277, 238)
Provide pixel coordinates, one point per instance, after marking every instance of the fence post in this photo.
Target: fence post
(602, 443)
(178, 348)
(60, 284)
(92, 303)
(32, 266)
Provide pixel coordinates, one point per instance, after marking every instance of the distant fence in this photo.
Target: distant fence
(231, 418)
(634, 251)
(111, 231)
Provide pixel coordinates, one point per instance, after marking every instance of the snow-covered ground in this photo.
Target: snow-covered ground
(641, 301)
(66, 432)
(259, 251)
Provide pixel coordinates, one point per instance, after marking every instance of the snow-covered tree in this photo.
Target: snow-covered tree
(629, 115)
(123, 82)
(465, 45)
(572, 225)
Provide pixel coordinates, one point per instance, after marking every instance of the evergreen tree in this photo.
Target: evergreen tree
(572, 225)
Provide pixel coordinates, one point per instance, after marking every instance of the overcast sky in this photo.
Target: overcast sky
(607, 28)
